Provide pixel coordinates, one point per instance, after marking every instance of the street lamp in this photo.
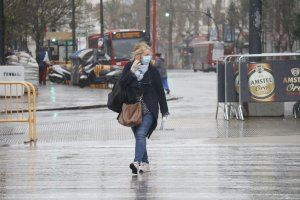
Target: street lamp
(1, 33)
(73, 26)
(170, 14)
(147, 20)
(154, 31)
(101, 20)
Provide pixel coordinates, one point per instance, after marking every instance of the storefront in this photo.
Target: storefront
(60, 45)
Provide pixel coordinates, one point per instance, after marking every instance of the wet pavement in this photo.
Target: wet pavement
(180, 170)
(54, 96)
(71, 97)
(84, 154)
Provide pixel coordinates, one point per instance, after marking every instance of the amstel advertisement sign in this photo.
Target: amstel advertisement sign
(275, 81)
(261, 82)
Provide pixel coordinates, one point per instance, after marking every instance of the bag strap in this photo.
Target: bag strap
(140, 98)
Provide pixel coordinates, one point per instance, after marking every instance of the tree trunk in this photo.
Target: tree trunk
(278, 44)
(38, 43)
(255, 12)
(237, 40)
(2, 32)
(197, 16)
(39, 37)
(37, 47)
(170, 38)
(291, 44)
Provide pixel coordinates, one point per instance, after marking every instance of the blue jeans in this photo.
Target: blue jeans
(165, 83)
(140, 138)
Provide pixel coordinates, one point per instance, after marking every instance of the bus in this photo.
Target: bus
(93, 41)
(205, 55)
(117, 44)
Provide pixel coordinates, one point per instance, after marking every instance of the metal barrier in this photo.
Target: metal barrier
(230, 105)
(217, 108)
(227, 105)
(15, 106)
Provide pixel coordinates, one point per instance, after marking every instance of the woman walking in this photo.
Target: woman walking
(141, 80)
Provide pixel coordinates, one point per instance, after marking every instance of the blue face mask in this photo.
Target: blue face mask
(146, 60)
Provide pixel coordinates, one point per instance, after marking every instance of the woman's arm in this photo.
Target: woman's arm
(127, 76)
(160, 93)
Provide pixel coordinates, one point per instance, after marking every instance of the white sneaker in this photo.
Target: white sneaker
(144, 167)
(135, 167)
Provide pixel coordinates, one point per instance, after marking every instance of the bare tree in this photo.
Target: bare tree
(138, 10)
(280, 23)
(237, 16)
(34, 16)
(15, 31)
(119, 14)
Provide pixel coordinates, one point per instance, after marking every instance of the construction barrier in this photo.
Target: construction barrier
(241, 80)
(18, 104)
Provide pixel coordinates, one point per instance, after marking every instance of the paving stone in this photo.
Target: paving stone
(179, 171)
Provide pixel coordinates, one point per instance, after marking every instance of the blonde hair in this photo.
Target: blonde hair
(139, 49)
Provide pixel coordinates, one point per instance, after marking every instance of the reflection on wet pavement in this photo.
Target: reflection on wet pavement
(178, 171)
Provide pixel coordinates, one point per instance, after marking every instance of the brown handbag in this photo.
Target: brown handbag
(131, 114)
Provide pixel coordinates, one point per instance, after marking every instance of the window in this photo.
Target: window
(124, 47)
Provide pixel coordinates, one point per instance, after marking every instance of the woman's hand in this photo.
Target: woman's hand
(165, 115)
(135, 65)
(153, 62)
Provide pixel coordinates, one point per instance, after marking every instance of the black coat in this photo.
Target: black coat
(150, 86)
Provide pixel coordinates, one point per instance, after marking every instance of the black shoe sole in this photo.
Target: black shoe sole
(133, 168)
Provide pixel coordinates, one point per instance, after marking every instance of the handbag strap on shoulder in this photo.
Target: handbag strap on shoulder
(140, 98)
